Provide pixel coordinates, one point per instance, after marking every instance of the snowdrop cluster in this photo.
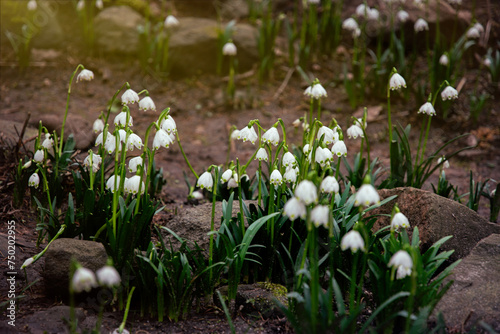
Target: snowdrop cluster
(84, 279)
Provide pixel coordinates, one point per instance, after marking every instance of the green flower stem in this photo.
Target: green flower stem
(411, 299)
(283, 130)
(319, 109)
(184, 155)
(337, 170)
(352, 293)
(259, 196)
(240, 200)
(426, 136)
(126, 84)
(125, 315)
(212, 224)
(313, 259)
(311, 108)
(80, 66)
(46, 186)
(389, 112)
(230, 84)
(58, 234)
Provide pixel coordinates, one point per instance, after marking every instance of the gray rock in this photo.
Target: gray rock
(116, 30)
(52, 320)
(193, 46)
(437, 217)
(474, 296)
(75, 124)
(10, 131)
(234, 9)
(89, 254)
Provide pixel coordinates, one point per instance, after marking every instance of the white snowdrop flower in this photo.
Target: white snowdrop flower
(171, 22)
(421, 25)
(248, 133)
(399, 220)
(226, 175)
(352, 240)
(361, 10)
(86, 75)
(229, 49)
(296, 123)
(396, 82)
(121, 119)
(294, 209)
(48, 142)
(108, 276)
(329, 135)
(479, 27)
(487, 62)
(34, 180)
(134, 163)
(110, 184)
(32, 5)
(366, 195)
(290, 175)
(39, 156)
(99, 4)
(320, 215)
(261, 154)
(147, 104)
(132, 185)
(322, 155)
(306, 149)
(162, 139)
(356, 33)
(98, 125)
(205, 181)
(168, 124)
(122, 134)
(197, 195)
(235, 134)
(83, 280)
(428, 109)
(306, 192)
(402, 16)
(444, 60)
(28, 262)
(446, 164)
(134, 141)
(373, 14)
(350, 24)
(329, 185)
(233, 182)
(449, 93)
(473, 33)
(276, 178)
(308, 91)
(318, 91)
(354, 131)
(27, 164)
(402, 259)
(130, 96)
(80, 5)
(117, 331)
(339, 149)
(271, 136)
(93, 161)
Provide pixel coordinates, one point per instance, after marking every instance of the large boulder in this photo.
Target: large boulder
(474, 296)
(193, 46)
(89, 254)
(116, 30)
(79, 127)
(437, 217)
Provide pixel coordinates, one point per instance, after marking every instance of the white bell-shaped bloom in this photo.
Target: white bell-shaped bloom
(329, 135)
(28, 262)
(352, 240)
(93, 161)
(421, 25)
(98, 125)
(323, 155)
(403, 262)
(130, 96)
(354, 131)
(39, 156)
(329, 185)
(373, 14)
(134, 141)
(83, 280)
(133, 184)
(402, 16)
(473, 33)
(34, 180)
(399, 220)
(402, 272)
(444, 60)
(339, 149)
(27, 164)
(205, 181)
(86, 75)
(271, 136)
(121, 119)
(99, 4)
(134, 163)
(427, 108)
(122, 134)
(366, 196)
(168, 124)
(147, 104)
(294, 209)
(162, 139)
(487, 62)
(362, 10)
(306, 192)
(350, 24)
(235, 134)
(100, 137)
(446, 164)
(226, 175)
(396, 82)
(290, 175)
(276, 178)
(229, 49)
(449, 93)
(80, 5)
(306, 149)
(32, 5)
(248, 133)
(48, 142)
(479, 27)
(318, 91)
(113, 183)
(108, 276)
(261, 154)
(171, 22)
(320, 215)
(289, 160)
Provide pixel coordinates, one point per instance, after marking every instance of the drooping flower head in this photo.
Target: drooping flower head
(444, 60)
(421, 25)
(147, 104)
(226, 175)
(350, 24)
(271, 136)
(289, 160)
(294, 209)
(134, 163)
(162, 139)
(449, 93)
(339, 149)
(98, 125)
(290, 175)
(205, 181)
(229, 49)
(34, 180)
(132, 185)
(352, 240)
(130, 96)
(427, 108)
(403, 262)
(86, 75)
(402, 16)
(99, 4)
(32, 5)
(171, 22)
(48, 142)
(306, 192)
(399, 220)
(113, 183)
(276, 178)
(261, 154)
(396, 82)
(39, 156)
(366, 196)
(248, 133)
(94, 161)
(329, 185)
(320, 215)
(354, 131)
(316, 90)
(169, 125)
(121, 119)
(83, 280)
(108, 276)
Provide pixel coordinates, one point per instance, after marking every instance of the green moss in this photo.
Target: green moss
(278, 290)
